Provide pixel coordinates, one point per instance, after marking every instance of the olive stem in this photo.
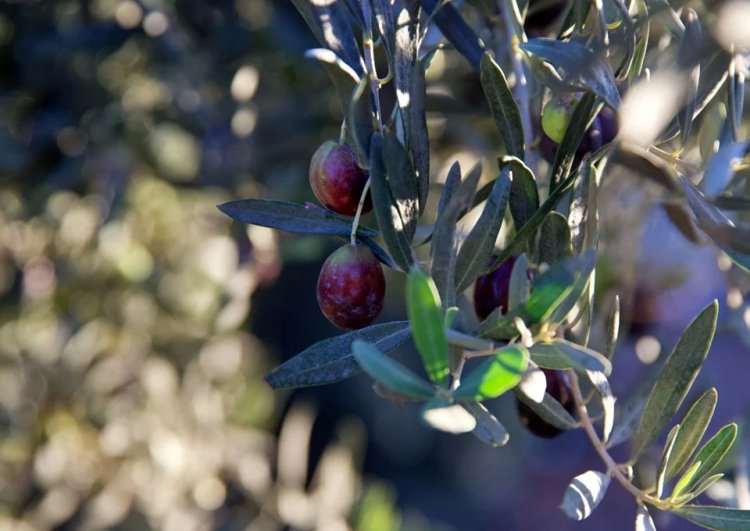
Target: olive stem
(358, 214)
(613, 469)
(369, 56)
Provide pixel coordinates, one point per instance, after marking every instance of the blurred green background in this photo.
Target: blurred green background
(136, 321)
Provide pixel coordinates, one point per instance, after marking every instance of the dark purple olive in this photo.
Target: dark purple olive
(351, 287)
(491, 290)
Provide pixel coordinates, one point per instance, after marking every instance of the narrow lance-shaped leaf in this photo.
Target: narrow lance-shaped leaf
(524, 194)
(681, 486)
(426, 318)
(582, 67)
(330, 24)
(443, 247)
(390, 374)
(403, 182)
(582, 114)
(721, 518)
(582, 268)
(579, 205)
(494, 377)
(603, 389)
(554, 239)
(639, 55)
(561, 354)
(677, 375)
(332, 360)
(291, 217)
(612, 328)
(389, 219)
(417, 135)
(479, 244)
(443, 415)
(457, 31)
(661, 472)
(691, 36)
(702, 486)
(549, 410)
(519, 286)
(694, 425)
(525, 234)
(733, 239)
(503, 106)
(712, 454)
(584, 494)
(359, 128)
(489, 430)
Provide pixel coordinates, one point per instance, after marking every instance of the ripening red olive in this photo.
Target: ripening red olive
(491, 290)
(351, 287)
(337, 180)
(558, 387)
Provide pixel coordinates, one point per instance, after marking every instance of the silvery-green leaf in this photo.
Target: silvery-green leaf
(519, 286)
(389, 373)
(554, 239)
(489, 430)
(677, 375)
(581, 66)
(661, 472)
(711, 455)
(480, 242)
(291, 217)
(601, 385)
(694, 425)
(561, 354)
(549, 410)
(503, 106)
(389, 219)
(524, 195)
(403, 182)
(331, 360)
(578, 217)
(612, 328)
(456, 30)
(721, 518)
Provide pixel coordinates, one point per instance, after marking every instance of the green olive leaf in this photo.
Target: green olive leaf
(428, 330)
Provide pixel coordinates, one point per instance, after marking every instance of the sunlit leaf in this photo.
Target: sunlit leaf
(331, 360)
(601, 386)
(494, 377)
(661, 472)
(711, 454)
(694, 425)
(677, 375)
(389, 373)
(612, 328)
(448, 417)
(426, 318)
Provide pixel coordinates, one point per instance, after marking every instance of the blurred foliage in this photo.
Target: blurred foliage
(131, 392)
